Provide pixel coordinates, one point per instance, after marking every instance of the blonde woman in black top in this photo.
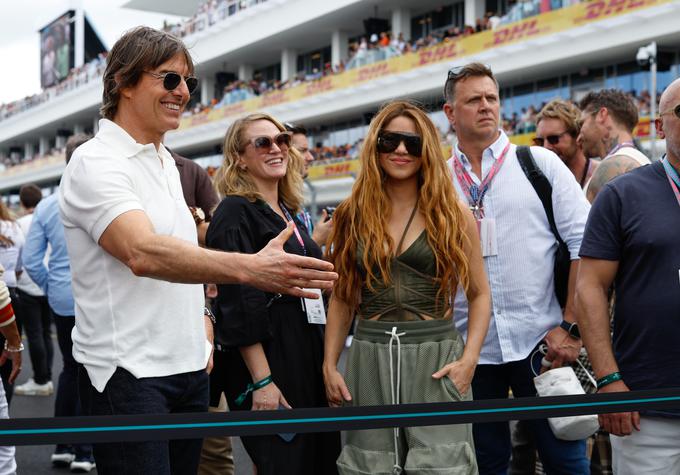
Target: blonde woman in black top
(271, 352)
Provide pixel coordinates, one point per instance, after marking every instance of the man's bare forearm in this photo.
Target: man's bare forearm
(176, 260)
(593, 320)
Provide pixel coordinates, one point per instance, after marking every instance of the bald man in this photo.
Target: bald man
(631, 241)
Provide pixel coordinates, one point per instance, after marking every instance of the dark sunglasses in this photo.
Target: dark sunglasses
(457, 71)
(389, 141)
(171, 80)
(551, 139)
(675, 110)
(263, 142)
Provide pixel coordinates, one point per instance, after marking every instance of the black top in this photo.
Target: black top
(634, 221)
(242, 311)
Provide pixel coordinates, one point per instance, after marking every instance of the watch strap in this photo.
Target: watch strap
(571, 328)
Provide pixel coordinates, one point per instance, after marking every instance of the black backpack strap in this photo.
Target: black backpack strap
(540, 183)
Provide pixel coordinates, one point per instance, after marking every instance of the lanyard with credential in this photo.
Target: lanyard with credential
(473, 192)
(295, 228)
(673, 178)
(619, 147)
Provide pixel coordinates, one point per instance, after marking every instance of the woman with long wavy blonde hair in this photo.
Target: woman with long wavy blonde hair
(402, 244)
(268, 352)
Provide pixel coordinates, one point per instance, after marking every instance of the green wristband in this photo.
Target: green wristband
(610, 378)
(253, 387)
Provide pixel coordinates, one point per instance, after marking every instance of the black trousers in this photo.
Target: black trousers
(295, 355)
(34, 316)
(125, 394)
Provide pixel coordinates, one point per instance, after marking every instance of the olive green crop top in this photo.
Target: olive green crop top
(412, 292)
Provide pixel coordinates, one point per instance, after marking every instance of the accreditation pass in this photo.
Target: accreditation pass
(316, 313)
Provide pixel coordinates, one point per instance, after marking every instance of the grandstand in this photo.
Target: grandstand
(329, 65)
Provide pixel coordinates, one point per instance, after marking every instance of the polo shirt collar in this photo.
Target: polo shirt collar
(495, 149)
(117, 138)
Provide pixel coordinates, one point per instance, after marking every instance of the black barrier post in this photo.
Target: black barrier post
(237, 423)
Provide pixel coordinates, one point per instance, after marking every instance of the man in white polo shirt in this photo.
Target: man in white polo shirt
(140, 332)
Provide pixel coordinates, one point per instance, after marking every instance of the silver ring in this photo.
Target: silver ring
(545, 363)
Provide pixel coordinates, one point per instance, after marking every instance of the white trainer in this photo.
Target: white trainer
(62, 459)
(31, 388)
(82, 466)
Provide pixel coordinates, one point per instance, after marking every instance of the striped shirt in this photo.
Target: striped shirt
(524, 305)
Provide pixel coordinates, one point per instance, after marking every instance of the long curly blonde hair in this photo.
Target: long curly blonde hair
(362, 218)
(231, 179)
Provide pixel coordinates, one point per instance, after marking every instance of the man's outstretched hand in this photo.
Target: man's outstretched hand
(274, 270)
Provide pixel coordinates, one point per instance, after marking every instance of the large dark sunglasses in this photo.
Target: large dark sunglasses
(551, 139)
(675, 110)
(389, 141)
(264, 142)
(171, 80)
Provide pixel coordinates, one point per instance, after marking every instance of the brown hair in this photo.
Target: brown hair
(231, 179)
(74, 142)
(566, 111)
(619, 105)
(460, 73)
(137, 50)
(362, 218)
(30, 195)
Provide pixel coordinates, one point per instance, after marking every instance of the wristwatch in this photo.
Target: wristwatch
(209, 314)
(572, 329)
(197, 214)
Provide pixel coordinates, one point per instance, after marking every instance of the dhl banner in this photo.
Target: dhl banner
(541, 25)
(340, 169)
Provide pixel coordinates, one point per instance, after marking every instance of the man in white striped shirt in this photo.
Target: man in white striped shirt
(519, 253)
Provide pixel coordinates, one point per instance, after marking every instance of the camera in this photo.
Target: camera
(646, 54)
(329, 211)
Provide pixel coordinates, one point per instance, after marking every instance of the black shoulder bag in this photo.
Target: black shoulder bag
(544, 192)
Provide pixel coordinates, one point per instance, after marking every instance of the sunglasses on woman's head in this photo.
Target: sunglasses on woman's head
(264, 142)
(171, 80)
(551, 139)
(389, 141)
(675, 110)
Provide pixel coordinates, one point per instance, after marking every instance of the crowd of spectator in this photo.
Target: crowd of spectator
(76, 78)
(209, 12)
(524, 122)
(362, 51)
(19, 158)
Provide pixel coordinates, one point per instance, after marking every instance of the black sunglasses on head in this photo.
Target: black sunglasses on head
(171, 80)
(264, 142)
(456, 71)
(675, 110)
(389, 141)
(552, 139)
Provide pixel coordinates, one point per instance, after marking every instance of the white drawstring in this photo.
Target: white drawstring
(396, 470)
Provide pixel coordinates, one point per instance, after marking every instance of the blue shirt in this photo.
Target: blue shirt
(55, 281)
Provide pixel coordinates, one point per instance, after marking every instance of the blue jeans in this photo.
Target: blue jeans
(492, 439)
(67, 403)
(125, 394)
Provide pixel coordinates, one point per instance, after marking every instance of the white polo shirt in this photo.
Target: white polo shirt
(147, 326)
